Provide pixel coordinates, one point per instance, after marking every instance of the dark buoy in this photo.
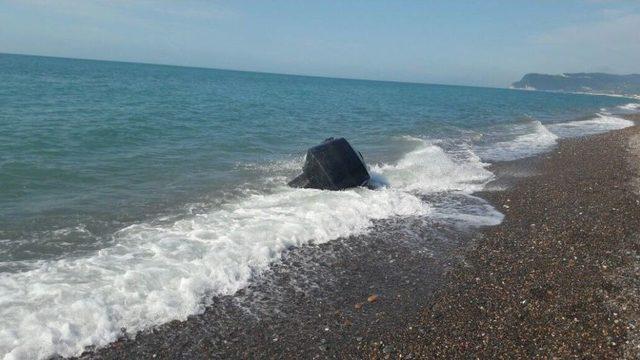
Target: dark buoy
(332, 165)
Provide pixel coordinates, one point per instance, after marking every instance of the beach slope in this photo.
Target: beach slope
(559, 277)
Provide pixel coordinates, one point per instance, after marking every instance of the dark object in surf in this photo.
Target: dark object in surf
(332, 165)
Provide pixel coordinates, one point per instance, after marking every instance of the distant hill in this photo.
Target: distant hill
(582, 82)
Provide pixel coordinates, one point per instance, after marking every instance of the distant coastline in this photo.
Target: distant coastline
(583, 83)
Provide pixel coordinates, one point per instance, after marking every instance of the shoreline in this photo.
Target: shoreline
(627, 96)
(462, 297)
(558, 278)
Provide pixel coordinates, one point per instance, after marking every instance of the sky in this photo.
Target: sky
(483, 43)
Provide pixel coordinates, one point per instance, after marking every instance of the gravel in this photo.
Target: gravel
(558, 278)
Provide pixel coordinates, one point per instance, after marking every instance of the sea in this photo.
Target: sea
(131, 194)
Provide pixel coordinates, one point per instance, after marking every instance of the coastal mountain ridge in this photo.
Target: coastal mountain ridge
(601, 83)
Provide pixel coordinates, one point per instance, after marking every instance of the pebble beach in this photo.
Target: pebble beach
(557, 278)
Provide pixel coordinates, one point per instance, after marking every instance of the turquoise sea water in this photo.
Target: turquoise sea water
(133, 191)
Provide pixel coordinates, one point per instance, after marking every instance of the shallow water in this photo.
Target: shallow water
(131, 193)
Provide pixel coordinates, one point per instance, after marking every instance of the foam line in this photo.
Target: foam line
(157, 273)
(599, 124)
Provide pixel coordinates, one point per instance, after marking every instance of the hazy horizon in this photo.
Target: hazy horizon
(492, 43)
(257, 72)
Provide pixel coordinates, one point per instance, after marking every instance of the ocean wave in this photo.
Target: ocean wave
(630, 106)
(159, 273)
(539, 138)
(601, 123)
(292, 164)
(156, 273)
(536, 140)
(430, 169)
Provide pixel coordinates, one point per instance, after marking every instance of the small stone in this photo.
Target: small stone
(359, 339)
(388, 349)
(373, 298)
(358, 306)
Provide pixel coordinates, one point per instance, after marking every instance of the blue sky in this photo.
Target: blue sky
(484, 42)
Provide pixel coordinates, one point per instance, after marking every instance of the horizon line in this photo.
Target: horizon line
(254, 71)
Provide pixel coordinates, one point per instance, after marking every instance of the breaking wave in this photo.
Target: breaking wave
(630, 107)
(157, 273)
(600, 124)
(539, 140)
(430, 169)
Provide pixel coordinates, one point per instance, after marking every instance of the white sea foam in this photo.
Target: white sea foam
(630, 107)
(466, 209)
(600, 124)
(541, 138)
(157, 273)
(430, 169)
(537, 141)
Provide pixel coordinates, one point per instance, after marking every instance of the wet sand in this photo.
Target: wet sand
(558, 277)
